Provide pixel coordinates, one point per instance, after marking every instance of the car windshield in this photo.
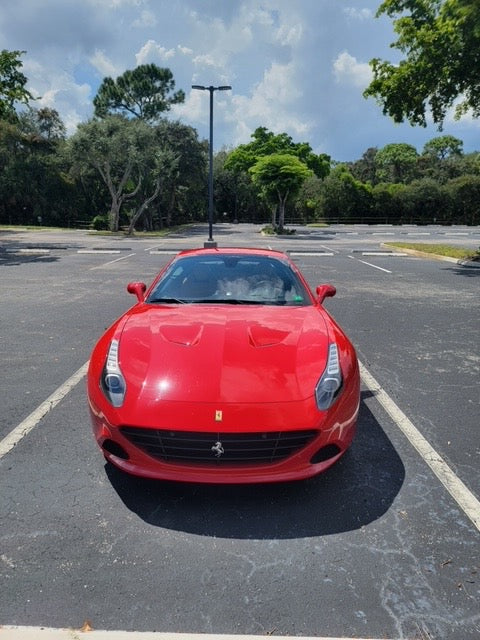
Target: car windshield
(230, 279)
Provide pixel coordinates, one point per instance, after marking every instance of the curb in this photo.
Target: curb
(471, 264)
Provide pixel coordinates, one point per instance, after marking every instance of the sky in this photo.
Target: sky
(295, 66)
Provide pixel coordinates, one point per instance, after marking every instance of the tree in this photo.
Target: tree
(184, 193)
(464, 194)
(365, 169)
(279, 177)
(396, 162)
(12, 84)
(471, 163)
(142, 92)
(309, 202)
(440, 40)
(425, 199)
(235, 194)
(13, 197)
(34, 185)
(120, 150)
(443, 147)
(42, 125)
(165, 164)
(387, 207)
(265, 143)
(51, 125)
(344, 197)
(441, 159)
(155, 175)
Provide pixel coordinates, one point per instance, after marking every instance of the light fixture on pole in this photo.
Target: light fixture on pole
(210, 242)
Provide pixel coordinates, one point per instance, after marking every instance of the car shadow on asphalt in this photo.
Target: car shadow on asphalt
(465, 270)
(358, 490)
(14, 253)
(13, 259)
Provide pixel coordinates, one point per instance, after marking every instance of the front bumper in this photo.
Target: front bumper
(333, 433)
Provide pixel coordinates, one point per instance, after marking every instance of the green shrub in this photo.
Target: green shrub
(100, 223)
(274, 231)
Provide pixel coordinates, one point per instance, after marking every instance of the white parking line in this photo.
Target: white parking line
(315, 254)
(111, 262)
(99, 251)
(32, 251)
(370, 265)
(43, 633)
(385, 254)
(31, 421)
(457, 489)
(329, 248)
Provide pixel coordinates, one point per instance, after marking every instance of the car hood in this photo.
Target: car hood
(196, 353)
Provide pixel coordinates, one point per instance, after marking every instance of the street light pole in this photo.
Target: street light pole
(211, 89)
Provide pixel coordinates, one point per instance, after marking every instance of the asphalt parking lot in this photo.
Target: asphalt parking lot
(383, 545)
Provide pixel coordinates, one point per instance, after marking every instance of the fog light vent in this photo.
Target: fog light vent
(115, 449)
(325, 453)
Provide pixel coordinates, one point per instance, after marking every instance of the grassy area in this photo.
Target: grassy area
(140, 234)
(146, 234)
(438, 249)
(29, 227)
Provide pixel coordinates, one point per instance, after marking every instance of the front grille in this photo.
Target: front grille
(218, 448)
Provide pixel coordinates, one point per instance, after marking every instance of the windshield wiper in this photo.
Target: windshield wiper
(226, 301)
(166, 301)
(208, 301)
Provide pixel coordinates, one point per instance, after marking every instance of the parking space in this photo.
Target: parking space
(378, 547)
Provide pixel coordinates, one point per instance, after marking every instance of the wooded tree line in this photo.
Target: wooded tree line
(111, 173)
(126, 167)
(395, 184)
(120, 172)
(131, 167)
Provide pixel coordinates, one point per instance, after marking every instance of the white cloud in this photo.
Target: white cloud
(348, 70)
(57, 90)
(114, 4)
(207, 60)
(358, 14)
(194, 109)
(278, 85)
(185, 50)
(269, 105)
(103, 65)
(151, 52)
(290, 35)
(252, 14)
(146, 19)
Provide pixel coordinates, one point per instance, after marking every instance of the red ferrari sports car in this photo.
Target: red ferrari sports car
(227, 370)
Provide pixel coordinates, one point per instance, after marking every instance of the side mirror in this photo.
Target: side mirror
(138, 288)
(325, 291)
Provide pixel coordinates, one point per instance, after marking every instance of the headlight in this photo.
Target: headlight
(330, 383)
(113, 382)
